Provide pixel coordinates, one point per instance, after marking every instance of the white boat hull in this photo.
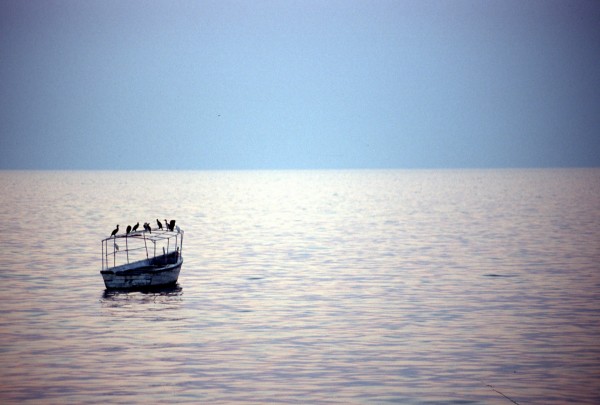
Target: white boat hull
(142, 274)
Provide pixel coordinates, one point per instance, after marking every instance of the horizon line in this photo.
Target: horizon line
(291, 169)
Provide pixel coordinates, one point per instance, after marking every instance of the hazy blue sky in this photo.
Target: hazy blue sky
(299, 84)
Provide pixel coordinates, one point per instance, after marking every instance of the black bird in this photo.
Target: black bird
(128, 230)
(167, 224)
(147, 227)
(135, 227)
(172, 225)
(159, 224)
(115, 231)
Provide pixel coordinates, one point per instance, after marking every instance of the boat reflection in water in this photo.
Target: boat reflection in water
(159, 303)
(113, 294)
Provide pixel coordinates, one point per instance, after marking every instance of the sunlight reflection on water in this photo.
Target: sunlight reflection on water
(311, 287)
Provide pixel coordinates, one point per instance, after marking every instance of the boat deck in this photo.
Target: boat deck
(139, 249)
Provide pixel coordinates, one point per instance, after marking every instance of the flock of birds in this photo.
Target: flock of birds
(169, 225)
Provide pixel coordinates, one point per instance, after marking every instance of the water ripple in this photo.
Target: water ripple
(413, 287)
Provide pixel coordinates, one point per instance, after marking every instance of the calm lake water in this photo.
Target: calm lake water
(413, 287)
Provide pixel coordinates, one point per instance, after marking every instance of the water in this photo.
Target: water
(413, 287)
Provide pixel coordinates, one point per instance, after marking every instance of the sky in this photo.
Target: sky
(230, 85)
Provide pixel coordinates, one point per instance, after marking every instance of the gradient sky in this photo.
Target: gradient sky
(299, 84)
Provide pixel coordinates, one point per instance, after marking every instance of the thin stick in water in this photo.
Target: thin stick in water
(509, 398)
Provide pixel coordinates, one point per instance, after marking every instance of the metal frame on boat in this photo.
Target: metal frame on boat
(142, 259)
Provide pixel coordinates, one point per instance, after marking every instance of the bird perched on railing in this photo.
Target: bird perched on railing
(172, 225)
(114, 232)
(135, 227)
(159, 224)
(147, 227)
(128, 230)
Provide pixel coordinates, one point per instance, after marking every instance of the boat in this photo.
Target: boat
(142, 259)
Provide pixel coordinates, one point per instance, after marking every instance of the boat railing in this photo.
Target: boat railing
(141, 245)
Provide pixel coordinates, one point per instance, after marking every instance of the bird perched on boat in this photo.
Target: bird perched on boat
(135, 227)
(128, 230)
(159, 224)
(172, 225)
(114, 232)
